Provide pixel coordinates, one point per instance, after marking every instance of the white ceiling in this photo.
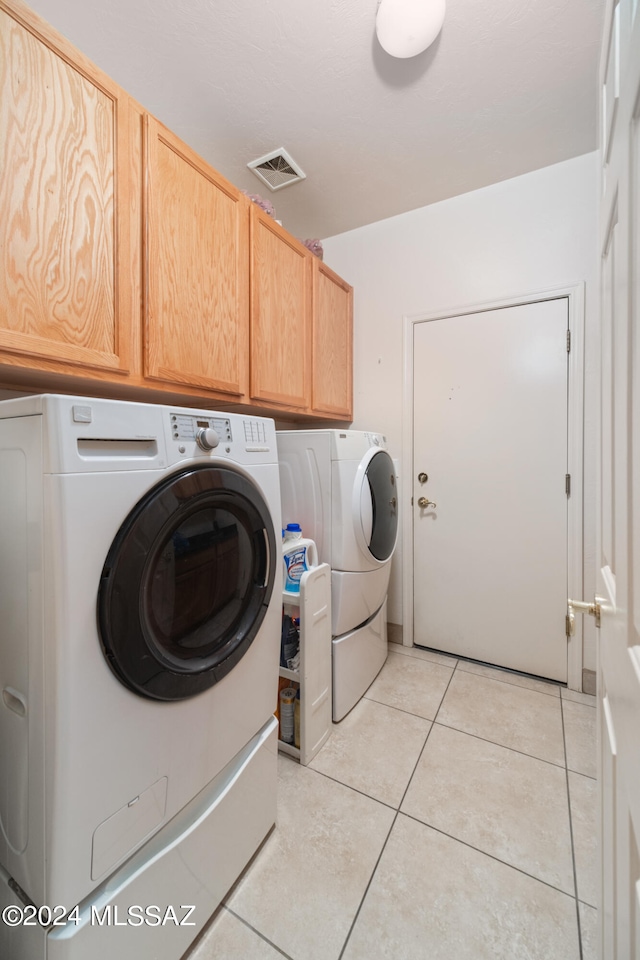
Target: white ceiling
(509, 86)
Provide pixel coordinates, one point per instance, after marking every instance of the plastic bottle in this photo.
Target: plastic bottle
(299, 553)
(287, 711)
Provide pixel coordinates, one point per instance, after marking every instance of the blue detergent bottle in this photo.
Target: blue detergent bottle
(299, 554)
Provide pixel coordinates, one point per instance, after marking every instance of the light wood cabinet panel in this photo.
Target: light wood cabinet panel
(281, 304)
(64, 204)
(196, 270)
(332, 344)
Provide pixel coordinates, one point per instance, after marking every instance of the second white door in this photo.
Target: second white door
(490, 435)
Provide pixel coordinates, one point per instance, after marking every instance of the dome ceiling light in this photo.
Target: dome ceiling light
(407, 27)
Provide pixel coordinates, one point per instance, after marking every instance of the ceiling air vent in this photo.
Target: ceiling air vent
(277, 169)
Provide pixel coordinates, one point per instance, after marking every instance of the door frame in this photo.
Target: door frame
(575, 294)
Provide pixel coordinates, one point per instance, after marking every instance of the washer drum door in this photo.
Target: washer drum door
(187, 582)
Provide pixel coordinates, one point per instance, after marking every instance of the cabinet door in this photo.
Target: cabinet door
(281, 287)
(64, 204)
(332, 344)
(196, 270)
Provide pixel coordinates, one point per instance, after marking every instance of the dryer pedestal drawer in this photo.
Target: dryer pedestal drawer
(357, 659)
(356, 597)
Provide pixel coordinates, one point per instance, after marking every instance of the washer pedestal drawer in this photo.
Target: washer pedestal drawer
(192, 861)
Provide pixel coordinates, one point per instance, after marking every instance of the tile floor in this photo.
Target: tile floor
(450, 816)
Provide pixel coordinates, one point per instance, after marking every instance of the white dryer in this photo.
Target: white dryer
(341, 486)
(140, 588)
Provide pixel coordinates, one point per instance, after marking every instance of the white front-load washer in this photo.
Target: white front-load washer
(140, 589)
(341, 486)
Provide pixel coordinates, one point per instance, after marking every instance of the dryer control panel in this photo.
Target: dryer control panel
(186, 426)
(376, 440)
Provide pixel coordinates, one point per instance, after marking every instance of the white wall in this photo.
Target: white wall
(520, 236)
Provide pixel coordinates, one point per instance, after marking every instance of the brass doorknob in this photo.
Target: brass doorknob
(423, 502)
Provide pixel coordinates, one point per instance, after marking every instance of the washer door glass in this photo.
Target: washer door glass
(379, 506)
(187, 583)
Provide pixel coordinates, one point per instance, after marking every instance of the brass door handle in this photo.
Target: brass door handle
(581, 606)
(423, 502)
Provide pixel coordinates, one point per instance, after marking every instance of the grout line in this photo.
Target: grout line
(391, 706)
(373, 873)
(573, 849)
(445, 691)
(415, 766)
(505, 746)
(485, 853)
(451, 662)
(366, 890)
(350, 786)
(257, 932)
(579, 773)
(578, 703)
(510, 683)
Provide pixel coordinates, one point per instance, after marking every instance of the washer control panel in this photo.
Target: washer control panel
(201, 429)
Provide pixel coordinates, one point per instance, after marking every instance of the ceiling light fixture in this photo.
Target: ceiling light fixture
(407, 27)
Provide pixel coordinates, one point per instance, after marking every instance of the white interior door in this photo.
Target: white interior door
(490, 433)
(618, 520)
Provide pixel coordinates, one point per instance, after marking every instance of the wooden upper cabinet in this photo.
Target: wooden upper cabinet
(126, 260)
(196, 265)
(281, 303)
(64, 204)
(332, 344)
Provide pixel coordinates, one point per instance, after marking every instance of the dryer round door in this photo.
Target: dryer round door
(375, 505)
(187, 582)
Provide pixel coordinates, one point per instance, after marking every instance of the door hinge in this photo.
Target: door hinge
(570, 625)
(567, 484)
(568, 341)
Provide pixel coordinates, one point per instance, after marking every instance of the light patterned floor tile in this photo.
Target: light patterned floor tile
(505, 803)
(411, 684)
(580, 737)
(375, 750)
(482, 778)
(303, 890)
(434, 898)
(230, 939)
(583, 797)
(512, 716)
(506, 676)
